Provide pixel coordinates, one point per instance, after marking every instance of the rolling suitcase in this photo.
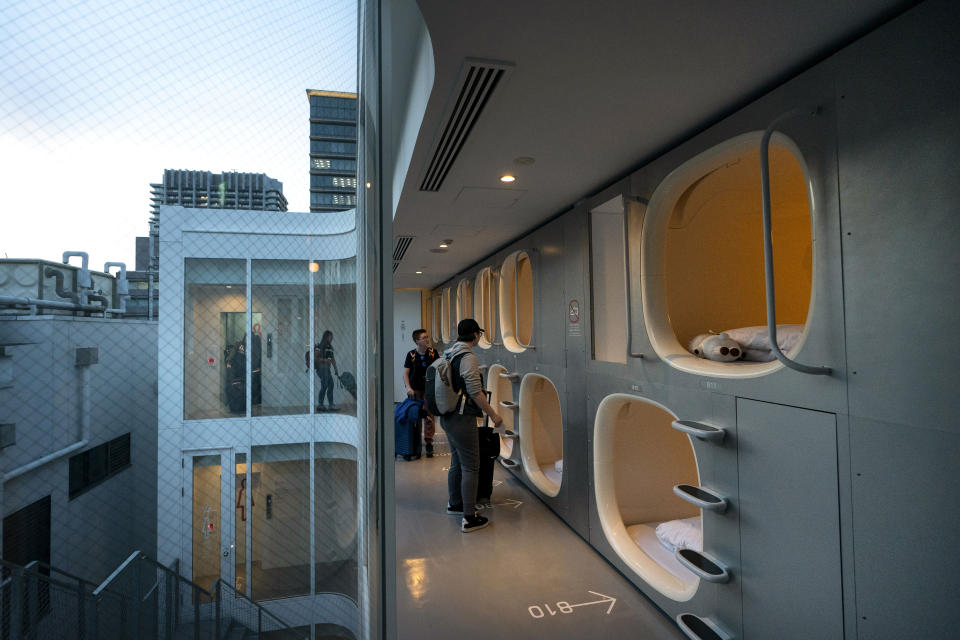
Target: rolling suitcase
(489, 451)
(406, 429)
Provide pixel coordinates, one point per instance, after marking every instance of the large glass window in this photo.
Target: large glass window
(215, 338)
(328, 146)
(331, 112)
(333, 164)
(281, 293)
(335, 519)
(333, 130)
(608, 282)
(347, 183)
(206, 520)
(280, 544)
(241, 514)
(341, 199)
(335, 333)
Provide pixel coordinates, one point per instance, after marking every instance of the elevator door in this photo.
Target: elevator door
(789, 522)
(208, 502)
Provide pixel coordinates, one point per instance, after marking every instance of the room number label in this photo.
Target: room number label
(538, 611)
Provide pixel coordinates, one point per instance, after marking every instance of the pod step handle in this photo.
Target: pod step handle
(512, 377)
(700, 430)
(702, 565)
(701, 497)
(509, 404)
(697, 628)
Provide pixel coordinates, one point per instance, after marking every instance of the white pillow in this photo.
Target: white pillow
(681, 534)
(558, 465)
(788, 335)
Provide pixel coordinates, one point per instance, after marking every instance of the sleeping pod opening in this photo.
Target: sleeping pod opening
(485, 306)
(448, 337)
(541, 433)
(436, 330)
(516, 302)
(638, 458)
(704, 294)
(501, 389)
(464, 300)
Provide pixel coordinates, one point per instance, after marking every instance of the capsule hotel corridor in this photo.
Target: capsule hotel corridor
(527, 575)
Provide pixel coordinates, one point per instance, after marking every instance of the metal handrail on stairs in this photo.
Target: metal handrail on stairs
(141, 599)
(159, 609)
(37, 602)
(265, 621)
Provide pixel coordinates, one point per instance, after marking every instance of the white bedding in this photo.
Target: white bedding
(756, 340)
(681, 534)
(551, 472)
(646, 538)
(558, 465)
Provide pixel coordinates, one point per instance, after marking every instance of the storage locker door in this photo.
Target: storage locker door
(789, 522)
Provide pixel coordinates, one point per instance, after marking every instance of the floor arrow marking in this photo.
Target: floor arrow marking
(605, 600)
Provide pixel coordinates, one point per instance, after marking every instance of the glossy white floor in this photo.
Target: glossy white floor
(527, 575)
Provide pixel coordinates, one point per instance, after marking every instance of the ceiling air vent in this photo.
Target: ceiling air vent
(400, 249)
(476, 83)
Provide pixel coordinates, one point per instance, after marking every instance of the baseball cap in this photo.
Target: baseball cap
(467, 327)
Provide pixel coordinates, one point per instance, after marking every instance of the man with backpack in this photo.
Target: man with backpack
(460, 424)
(414, 377)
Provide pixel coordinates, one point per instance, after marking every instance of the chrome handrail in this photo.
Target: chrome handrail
(116, 572)
(768, 244)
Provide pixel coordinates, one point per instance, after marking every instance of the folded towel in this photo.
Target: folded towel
(681, 534)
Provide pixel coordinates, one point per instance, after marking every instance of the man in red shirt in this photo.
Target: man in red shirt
(414, 377)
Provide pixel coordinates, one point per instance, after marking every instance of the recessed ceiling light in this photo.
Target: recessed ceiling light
(229, 286)
(368, 185)
(419, 273)
(444, 245)
(507, 178)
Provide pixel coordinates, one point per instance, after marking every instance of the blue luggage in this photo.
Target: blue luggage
(406, 429)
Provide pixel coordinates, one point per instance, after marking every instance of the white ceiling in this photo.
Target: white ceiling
(597, 89)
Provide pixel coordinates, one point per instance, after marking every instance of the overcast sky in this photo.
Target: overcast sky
(98, 98)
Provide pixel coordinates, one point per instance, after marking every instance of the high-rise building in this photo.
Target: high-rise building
(333, 150)
(227, 190)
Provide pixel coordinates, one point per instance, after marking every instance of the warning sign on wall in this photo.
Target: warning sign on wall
(574, 328)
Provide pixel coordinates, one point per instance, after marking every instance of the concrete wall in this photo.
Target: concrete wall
(96, 530)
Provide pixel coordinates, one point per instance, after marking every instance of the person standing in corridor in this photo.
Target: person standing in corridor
(414, 377)
(461, 426)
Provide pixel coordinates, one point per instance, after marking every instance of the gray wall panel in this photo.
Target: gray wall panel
(906, 522)
(899, 130)
(789, 522)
